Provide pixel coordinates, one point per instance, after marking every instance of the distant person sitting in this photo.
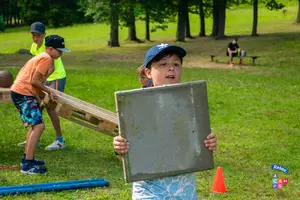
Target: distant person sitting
(233, 50)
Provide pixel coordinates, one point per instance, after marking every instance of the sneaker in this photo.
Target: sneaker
(23, 144)
(56, 145)
(230, 64)
(30, 168)
(35, 161)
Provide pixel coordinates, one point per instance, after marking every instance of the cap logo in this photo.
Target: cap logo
(162, 46)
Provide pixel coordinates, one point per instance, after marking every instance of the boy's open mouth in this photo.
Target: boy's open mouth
(170, 76)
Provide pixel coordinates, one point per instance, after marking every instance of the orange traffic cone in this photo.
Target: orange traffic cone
(219, 185)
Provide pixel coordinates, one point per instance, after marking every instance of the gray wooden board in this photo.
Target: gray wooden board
(166, 127)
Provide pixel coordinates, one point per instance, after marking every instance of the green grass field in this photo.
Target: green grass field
(253, 109)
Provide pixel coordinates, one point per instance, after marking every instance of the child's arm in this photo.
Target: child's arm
(211, 142)
(38, 82)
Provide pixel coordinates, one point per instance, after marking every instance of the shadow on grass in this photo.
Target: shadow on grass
(272, 47)
(75, 163)
(70, 163)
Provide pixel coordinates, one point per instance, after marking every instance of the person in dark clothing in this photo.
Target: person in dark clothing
(233, 50)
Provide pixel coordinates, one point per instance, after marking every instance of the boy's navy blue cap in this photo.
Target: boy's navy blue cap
(56, 42)
(161, 48)
(37, 27)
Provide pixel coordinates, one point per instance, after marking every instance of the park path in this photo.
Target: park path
(202, 64)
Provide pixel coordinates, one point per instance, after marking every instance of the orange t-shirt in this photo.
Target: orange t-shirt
(41, 63)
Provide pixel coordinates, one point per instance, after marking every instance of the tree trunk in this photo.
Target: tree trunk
(187, 27)
(147, 24)
(298, 16)
(16, 13)
(222, 19)
(202, 19)
(215, 19)
(181, 22)
(6, 13)
(255, 18)
(131, 27)
(114, 24)
(15, 19)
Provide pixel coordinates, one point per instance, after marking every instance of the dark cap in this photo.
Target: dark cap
(161, 48)
(56, 42)
(37, 27)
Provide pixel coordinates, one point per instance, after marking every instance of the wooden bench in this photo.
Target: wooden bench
(212, 57)
(253, 58)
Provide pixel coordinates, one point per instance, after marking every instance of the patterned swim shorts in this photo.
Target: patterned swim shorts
(28, 108)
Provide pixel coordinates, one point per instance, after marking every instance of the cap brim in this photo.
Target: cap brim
(35, 31)
(64, 49)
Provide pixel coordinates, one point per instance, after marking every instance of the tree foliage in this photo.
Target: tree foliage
(273, 5)
(98, 10)
(54, 13)
(2, 24)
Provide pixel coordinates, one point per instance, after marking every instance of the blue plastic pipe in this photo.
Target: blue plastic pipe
(54, 186)
(50, 184)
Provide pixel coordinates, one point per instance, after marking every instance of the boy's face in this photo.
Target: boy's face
(165, 71)
(54, 53)
(38, 38)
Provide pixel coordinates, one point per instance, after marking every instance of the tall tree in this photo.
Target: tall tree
(105, 11)
(131, 25)
(156, 14)
(298, 15)
(215, 14)
(202, 18)
(270, 4)
(147, 24)
(219, 18)
(188, 29)
(255, 18)
(187, 25)
(127, 16)
(114, 24)
(181, 22)
(222, 19)
(203, 8)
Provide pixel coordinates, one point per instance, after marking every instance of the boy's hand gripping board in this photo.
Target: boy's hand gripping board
(166, 127)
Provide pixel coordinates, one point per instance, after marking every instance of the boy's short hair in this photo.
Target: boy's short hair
(56, 42)
(37, 27)
(160, 49)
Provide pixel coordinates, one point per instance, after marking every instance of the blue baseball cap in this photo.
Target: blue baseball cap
(161, 48)
(56, 42)
(37, 27)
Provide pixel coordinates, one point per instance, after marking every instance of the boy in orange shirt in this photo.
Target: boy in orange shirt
(57, 81)
(24, 92)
